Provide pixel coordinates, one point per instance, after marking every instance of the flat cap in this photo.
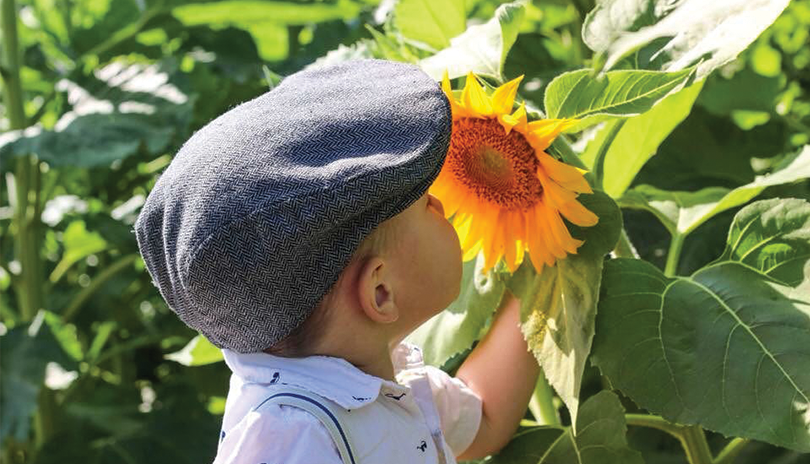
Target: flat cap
(260, 210)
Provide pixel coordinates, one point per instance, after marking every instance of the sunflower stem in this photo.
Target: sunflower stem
(541, 403)
(674, 255)
(730, 452)
(653, 422)
(599, 161)
(694, 443)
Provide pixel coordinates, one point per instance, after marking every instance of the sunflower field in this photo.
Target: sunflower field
(634, 171)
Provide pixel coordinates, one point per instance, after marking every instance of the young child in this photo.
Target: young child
(296, 233)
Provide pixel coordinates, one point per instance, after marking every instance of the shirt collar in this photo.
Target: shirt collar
(333, 378)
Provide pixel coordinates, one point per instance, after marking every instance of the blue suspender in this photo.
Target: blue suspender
(301, 399)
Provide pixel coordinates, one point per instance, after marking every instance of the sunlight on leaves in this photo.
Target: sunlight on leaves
(481, 49)
(671, 36)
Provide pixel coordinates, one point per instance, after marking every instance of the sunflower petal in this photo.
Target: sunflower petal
(472, 252)
(494, 250)
(509, 241)
(476, 101)
(561, 233)
(566, 175)
(537, 252)
(542, 132)
(546, 234)
(517, 119)
(578, 214)
(504, 96)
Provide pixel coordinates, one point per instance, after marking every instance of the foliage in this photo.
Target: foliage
(694, 297)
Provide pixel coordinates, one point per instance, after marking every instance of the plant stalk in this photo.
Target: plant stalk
(25, 220)
(103, 276)
(654, 422)
(694, 443)
(692, 438)
(674, 255)
(599, 161)
(731, 451)
(541, 403)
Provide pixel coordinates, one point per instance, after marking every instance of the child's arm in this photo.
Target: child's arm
(503, 373)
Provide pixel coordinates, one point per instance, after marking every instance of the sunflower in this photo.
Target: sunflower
(507, 195)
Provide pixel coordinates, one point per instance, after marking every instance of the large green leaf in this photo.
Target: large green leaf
(675, 35)
(577, 94)
(25, 351)
(481, 49)
(683, 212)
(558, 305)
(456, 328)
(726, 347)
(197, 352)
(772, 236)
(599, 439)
(636, 139)
(128, 107)
(433, 23)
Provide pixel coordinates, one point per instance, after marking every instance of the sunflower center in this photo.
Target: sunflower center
(498, 168)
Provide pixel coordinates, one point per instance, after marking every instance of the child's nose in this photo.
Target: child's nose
(437, 203)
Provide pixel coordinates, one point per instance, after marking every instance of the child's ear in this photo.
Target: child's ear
(375, 291)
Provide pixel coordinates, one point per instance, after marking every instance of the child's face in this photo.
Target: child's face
(428, 262)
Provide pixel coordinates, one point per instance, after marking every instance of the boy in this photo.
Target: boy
(296, 233)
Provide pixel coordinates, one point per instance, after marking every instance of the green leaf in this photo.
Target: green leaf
(683, 212)
(197, 352)
(433, 23)
(133, 106)
(671, 36)
(637, 139)
(577, 94)
(25, 351)
(726, 347)
(481, 49)
(558, 305)
(772, 236)
(600, 438)
(456, 328)
(79, 243)
(250, 12)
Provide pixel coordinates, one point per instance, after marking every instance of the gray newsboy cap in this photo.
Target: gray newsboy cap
(261, 209)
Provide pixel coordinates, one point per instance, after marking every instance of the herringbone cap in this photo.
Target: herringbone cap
(261, 209)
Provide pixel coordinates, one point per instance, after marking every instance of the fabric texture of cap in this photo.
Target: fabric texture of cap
(260, 210)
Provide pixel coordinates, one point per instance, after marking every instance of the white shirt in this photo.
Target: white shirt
(286, 434)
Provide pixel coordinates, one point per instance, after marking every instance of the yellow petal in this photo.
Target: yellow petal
(475, 100)
(545, 232)
(448, 90)
(517, 119)
(504, 96)
(494, 249)
(538, 251)
(510, 253)
(472, 252)
(578, 214)
(566, 175)
(541, 133)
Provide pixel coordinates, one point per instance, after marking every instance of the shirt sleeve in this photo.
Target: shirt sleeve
(458, 406)
(278, 433)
